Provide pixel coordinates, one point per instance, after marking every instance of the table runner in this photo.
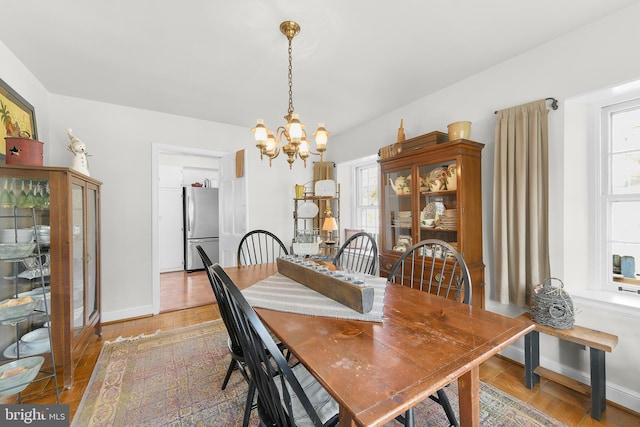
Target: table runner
(278, 292)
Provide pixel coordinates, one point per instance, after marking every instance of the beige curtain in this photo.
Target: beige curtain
(322, 170)
(520, 221)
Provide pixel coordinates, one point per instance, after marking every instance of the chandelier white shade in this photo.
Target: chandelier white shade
(292, 137)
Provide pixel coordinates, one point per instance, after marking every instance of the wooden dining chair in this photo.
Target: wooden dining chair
(260, 247)
(237, 355)
(287, 396)
(437, 267)
(358, 253)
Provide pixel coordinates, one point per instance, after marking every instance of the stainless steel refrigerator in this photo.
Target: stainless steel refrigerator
(200, 213)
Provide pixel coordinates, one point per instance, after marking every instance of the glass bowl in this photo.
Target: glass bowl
(17, 311)
(38, 295)
(16, 250)
(28, 367)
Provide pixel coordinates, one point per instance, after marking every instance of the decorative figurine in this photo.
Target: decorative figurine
(79, 162)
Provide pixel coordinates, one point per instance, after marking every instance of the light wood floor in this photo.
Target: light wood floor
(564, 404)
(179, 290)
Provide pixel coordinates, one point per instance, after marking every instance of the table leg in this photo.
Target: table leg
(345, 418)
(531, 358)
(598, 383)
(469, 397)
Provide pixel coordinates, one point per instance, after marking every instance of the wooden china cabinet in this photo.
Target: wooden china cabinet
(433, 191)
(68, 207)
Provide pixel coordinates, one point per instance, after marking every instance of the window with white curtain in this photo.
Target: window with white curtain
(619, 197)
(366, 203)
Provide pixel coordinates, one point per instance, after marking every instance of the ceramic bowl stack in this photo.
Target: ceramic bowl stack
(16, 242)
(19, 235)
(449, 220)
(404, 219)
(31, 343)
(37, 340)
(43, 233)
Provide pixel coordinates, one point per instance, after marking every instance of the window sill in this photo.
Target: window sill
(627, 304)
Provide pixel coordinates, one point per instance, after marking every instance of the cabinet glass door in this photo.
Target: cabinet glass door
(439, 202)
(78, 244)
(92, 246)
(397, 221)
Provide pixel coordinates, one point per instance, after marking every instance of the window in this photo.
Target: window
(619, 200)
(366, 203)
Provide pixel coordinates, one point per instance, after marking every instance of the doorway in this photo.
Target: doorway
(187, 290)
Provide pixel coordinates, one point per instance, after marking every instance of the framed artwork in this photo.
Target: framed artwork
(16, 117)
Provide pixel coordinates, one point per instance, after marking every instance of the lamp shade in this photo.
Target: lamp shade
(330, 224)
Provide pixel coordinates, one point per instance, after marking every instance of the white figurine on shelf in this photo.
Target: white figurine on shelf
(79, 162)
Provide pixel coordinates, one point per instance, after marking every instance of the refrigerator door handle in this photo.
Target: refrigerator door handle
(189, 212)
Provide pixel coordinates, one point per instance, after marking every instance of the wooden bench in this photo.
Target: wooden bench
(598, 342)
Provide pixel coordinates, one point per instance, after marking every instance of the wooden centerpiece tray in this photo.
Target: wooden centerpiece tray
(356, 297)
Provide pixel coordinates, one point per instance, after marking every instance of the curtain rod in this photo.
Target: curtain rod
(332, 163)
(554, 104)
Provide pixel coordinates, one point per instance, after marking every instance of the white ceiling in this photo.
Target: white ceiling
(226, 61)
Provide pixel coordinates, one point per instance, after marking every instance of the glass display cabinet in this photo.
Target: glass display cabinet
(68, 207)
(433, 192)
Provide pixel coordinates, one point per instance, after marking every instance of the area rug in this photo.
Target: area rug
(173, 379)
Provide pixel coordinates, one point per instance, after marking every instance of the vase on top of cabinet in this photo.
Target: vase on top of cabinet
(67, 206)
(443, 201)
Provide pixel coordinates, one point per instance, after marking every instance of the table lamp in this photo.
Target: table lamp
(330, 225)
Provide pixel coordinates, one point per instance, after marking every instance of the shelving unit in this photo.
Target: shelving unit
(27, 257)
(309, 230)
(443, 177)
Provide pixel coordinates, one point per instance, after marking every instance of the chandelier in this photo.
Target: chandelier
(290, 138)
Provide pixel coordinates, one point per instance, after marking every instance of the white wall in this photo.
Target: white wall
(119, 140)
(271, 193)
(591, 58)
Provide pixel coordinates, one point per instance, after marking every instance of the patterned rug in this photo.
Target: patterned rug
(173, 379)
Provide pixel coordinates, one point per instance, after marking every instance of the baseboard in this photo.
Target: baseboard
(131, 313)
(619, 395)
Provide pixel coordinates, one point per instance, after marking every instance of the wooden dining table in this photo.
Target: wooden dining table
(378, 370)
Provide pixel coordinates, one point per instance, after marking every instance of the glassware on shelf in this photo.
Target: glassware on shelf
(307, 236)
(33, 262)
(45, 195)
(30, 200)
(21, 198)
(7, 197)
(38, 198)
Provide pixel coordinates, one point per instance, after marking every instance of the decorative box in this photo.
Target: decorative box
(23, 151)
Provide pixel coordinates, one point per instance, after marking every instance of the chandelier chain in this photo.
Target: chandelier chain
(290, 77)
